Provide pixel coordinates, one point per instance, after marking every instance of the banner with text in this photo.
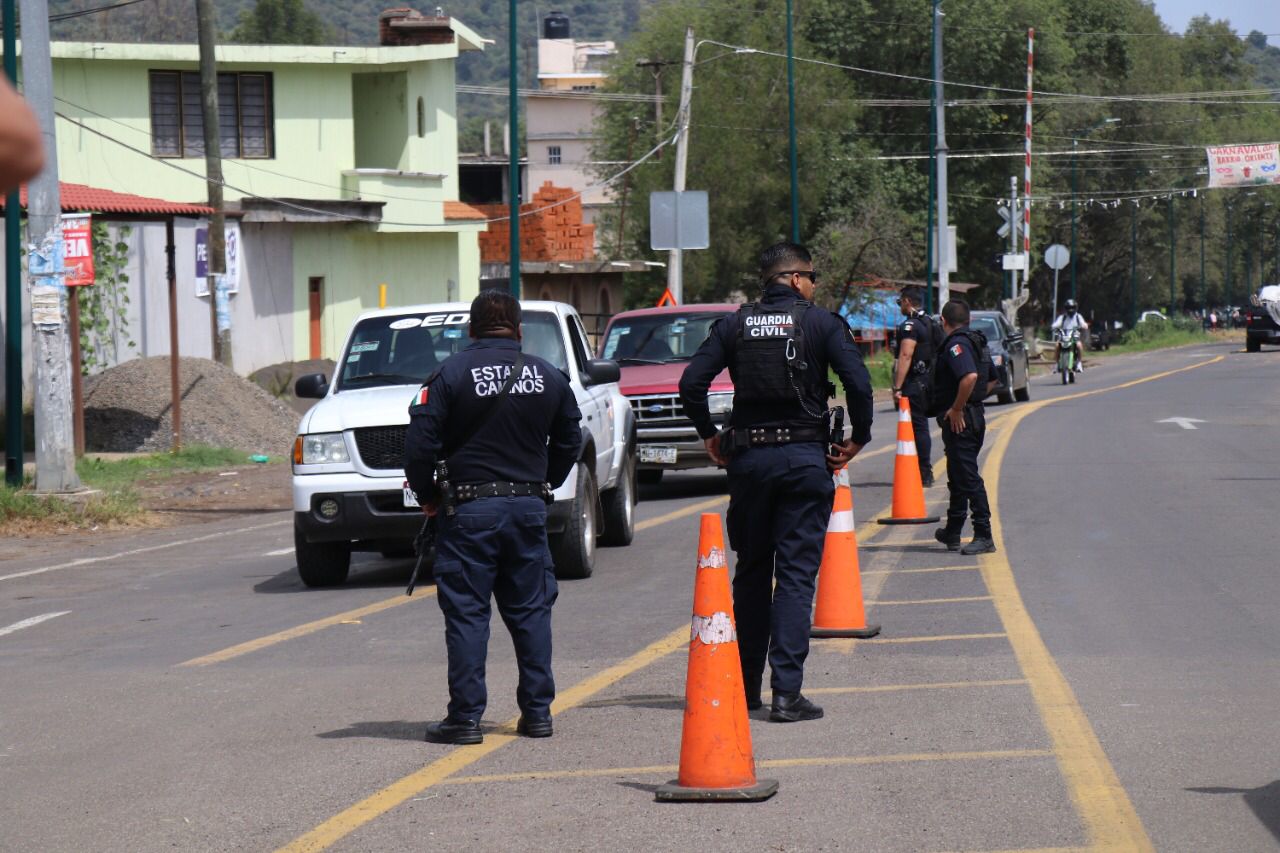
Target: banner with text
(1244, 165)
(77, 249)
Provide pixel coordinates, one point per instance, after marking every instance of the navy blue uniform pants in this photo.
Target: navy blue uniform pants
(498, 547)
(968, 491)
(914, 392)
(779, 507)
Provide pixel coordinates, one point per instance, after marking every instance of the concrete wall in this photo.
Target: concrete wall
(380, 121)
(415, 267)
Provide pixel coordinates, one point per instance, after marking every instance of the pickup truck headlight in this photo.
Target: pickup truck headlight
(720, 404)
(322, 448)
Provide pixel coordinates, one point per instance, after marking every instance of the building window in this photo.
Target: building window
(553, 155)
(246, 123)
(422, 118)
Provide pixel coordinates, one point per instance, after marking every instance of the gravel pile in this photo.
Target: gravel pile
(127, 409)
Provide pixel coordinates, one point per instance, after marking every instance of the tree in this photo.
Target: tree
(280, 22)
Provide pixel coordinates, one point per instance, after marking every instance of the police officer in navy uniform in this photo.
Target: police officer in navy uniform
(494, 540)
(915, 344)
(963, 377)
(779, 459)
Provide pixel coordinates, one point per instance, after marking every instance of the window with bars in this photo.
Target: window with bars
(553, 155)
(245, 120)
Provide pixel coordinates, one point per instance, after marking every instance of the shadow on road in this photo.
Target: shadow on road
(375, 573)
(658, 701)
(1264, 801)
(389, 730)
(640, 786)
(674, 486)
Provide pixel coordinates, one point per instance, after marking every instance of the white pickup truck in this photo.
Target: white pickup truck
(349, 491)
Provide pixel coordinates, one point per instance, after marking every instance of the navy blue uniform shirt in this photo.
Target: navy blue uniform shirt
(828, 346)
(957, 360)
(534, 436)
(918, 328)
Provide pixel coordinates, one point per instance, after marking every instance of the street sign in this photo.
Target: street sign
(679, 220)
(1057, 256)
(1007, 214)
(1015, 261)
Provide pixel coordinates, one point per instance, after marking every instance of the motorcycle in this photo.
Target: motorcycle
(1067, 339)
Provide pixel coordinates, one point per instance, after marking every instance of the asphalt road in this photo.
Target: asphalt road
(1106, 681)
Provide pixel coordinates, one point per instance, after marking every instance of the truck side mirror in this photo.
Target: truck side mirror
(313, 386)
(601, 371)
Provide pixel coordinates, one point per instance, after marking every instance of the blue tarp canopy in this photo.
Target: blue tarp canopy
(877, 309)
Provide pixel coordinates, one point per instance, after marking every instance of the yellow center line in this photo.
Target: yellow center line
(770, 764)
(956, 600)
(350, 819)
(942, 638)
(1111, 822)
(349, 616)
(893, 688)
(691, 509)
(922, 571)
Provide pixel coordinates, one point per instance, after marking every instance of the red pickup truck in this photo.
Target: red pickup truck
(652, 346)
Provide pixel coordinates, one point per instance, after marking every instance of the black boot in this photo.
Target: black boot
(793, 708)
(454, 731)
(949, 535)
(534, 726)
(982, 543)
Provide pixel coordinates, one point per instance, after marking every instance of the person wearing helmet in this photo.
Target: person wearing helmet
(1071, 319)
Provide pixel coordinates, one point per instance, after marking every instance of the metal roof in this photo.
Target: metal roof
(79, 198)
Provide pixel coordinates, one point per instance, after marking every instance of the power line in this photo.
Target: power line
(67, 16)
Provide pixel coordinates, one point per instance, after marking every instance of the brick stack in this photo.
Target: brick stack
(554, 233)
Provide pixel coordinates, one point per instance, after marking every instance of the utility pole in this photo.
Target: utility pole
(13, 439)
(1173, 260)
(1133, 264)
(513, 145)
(1227, 290)
(1075, 144)
(55, 444)
(1203, 308)
(655, 65)
(933, 172)
(675, 264)
(791, 128)
(940, 113)
(216, 245)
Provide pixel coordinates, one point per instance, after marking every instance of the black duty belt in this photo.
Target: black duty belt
(744, 437)
(464, 492)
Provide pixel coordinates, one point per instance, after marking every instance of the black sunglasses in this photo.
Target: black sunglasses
(812, 274)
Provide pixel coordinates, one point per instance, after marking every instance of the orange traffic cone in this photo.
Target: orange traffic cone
(908, 493)
(715, 750)
(839, 612)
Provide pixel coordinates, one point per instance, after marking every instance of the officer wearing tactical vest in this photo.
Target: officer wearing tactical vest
(961, 382)
(506, 449)
(916, 342)
(779, 458)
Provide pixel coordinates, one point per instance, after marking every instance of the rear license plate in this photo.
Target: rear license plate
(410, 500)
(657, 455)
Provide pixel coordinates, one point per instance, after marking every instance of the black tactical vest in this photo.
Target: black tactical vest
(770, 361)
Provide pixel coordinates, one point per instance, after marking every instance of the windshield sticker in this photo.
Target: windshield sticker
(369, 346)
(452, 334)
(460, 318)
(354, 357)
(615, 335)
(406, 323)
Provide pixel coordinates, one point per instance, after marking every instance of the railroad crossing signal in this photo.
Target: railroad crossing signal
(1008, 213)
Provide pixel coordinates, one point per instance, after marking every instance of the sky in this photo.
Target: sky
(1244, 15)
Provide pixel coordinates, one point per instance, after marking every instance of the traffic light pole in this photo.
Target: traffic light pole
(13, 439)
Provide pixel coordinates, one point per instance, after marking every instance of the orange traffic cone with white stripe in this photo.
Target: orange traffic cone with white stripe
(839, 611)
(908, 493)
(716, 762)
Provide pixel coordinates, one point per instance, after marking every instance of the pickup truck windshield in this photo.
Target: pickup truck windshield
(657, 338)
(404, 349)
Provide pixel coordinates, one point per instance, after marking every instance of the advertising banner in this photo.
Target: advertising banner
(77, 249)
(1244, 165)
(231, 232)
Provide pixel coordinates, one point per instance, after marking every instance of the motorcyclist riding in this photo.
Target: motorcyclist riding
(1068, 321)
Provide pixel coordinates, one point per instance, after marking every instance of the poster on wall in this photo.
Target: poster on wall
(234, 251)
(77, 249)
(1244, 165)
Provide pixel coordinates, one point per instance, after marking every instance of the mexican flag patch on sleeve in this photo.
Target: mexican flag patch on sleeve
(955, 350)
(422, 395)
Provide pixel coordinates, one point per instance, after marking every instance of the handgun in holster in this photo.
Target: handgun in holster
(836, 416)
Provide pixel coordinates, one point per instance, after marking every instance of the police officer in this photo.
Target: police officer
(778, 352)
(915, 343)
(962, 378)
(505, 452)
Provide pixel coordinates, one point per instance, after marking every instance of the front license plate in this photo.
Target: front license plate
(409, 499)
(658, 455)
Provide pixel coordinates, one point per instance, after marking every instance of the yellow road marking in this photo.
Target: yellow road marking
(1111, 822)
(956, 600)
(351, 616)
(921, 571)
(845, 646)
(692, 509)
(347, 821)
(771, 764)
(893, 688)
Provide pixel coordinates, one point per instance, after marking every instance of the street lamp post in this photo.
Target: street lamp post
(1226, 288)
(1133, 265)
(1075, 146)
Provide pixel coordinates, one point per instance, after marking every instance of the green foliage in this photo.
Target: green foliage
(120, 473)
(20, 508)
(104, 306)
(280, 22)
(1160, 334)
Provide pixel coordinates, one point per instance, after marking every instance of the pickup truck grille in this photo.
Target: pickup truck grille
(381, 447)
(662, 410)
